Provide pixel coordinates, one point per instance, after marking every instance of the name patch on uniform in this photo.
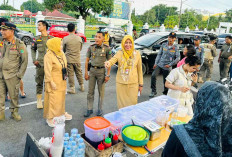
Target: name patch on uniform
(172, 51)
(165, 49)
(102, 54)
(39, 40)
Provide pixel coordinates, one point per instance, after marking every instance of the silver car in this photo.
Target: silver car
(25, 36)
(115, 33)
(221, 39)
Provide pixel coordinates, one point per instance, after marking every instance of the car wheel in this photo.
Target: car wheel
(144, 68)
(26, 40)
(83, 40)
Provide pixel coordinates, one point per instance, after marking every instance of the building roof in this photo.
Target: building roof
(27, 12)
(56, 13)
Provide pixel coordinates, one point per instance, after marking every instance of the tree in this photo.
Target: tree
(228, 17)
(5, 2)
(7, 7)
(33, 6)
(171, 21)
(83, 7)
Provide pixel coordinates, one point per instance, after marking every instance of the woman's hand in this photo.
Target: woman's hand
(107, 78)
(184, 89)
(194, 78)
(140, 89)
(53, 85)
(86, 76)
(107, 64)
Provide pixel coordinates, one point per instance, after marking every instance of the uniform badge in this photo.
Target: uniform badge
(173, 48)
(33, 44)
(1, 44)
(13, 48)
(39, 40)
(21, 51)
(199, 49)
(165, 49)
(110, 53)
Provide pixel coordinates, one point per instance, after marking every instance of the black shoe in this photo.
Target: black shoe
(88, 113)
(152, 94)
(165, 92)
(99, 113)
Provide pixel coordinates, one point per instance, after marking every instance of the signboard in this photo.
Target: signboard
(121, 10)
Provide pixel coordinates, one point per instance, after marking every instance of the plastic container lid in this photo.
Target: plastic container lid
(97, 123)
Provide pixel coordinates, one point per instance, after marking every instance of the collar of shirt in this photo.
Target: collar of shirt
(97, 46)
(188, 75)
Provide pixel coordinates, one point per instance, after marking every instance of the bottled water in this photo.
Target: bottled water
(79, 151)
(81, 146)
(66, 136)
(65, 145)
(68, 152)
(77, 138)
(74, 148)
(70, 141)
(74, 133)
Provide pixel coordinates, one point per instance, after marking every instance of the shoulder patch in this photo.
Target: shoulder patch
(21, 51)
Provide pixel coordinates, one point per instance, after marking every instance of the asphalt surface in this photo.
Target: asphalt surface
(13, 134)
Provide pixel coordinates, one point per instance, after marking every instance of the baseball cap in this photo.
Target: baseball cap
(197, 37)
(172, 34)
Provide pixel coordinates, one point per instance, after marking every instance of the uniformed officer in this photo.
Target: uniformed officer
(72, 45)
(168, 56)
(39, 44)
(199, 48)
(107, 37)
(210, 53)
(13, 64)
(98, 53)
(225, 57)
(135, 34)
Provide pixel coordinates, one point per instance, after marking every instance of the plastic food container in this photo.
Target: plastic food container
(96, 128)
(139, 117)
(162, 116)
(166, 101)
(127, 109)
(154, 129)
(118, 120)
(182, 111)
(149, 108)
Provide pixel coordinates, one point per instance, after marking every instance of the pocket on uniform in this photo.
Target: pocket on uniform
(13, 55)
(17, 88)
(40, 47)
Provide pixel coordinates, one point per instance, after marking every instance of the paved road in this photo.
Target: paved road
(13, 134)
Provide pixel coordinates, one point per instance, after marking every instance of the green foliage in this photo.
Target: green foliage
(7, 7)
(33, 6)
(171, 21)
(228, 17)
(82, 7)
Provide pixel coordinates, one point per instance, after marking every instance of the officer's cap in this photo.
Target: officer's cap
(172, 34)
(2, 20)
(8, 25)
(197, 37)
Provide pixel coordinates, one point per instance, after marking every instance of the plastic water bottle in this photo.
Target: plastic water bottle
(79, 151)
(67, 152)
(74, 148)
(65, 145)
(66, 136)
(70, 141)
(81, 146)
(74, 133)
(77, 138)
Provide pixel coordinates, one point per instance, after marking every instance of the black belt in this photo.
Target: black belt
(223, 58)
(96, 67)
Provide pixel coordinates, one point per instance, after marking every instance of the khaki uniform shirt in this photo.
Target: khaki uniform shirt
(210, 51)
(99, 54)
(39, 44)
(13, 58)
(226, 51)
(72, 46)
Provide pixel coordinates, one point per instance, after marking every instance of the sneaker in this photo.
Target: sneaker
(82, 89)
(72, 90)
(50, 123)
(88, 113)
(99, 113)
(152, 94)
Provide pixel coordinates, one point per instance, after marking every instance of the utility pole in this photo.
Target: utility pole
(208, 21)
(181, 3)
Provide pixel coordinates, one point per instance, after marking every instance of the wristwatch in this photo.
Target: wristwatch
(107, 75)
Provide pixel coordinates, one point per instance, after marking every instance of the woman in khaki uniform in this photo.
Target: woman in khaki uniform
(129, 79)
(55, 84)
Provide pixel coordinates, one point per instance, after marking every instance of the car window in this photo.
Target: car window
(223, 35)
(58, 28)
(147, 40)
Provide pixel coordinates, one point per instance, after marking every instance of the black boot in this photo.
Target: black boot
(153, 93)
(99, 113)
(88, 113)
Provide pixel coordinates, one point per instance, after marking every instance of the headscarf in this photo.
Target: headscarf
(127, 53)
(209, 133)
(54, 45)
(127, 61)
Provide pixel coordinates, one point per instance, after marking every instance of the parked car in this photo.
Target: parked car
(221, 39)
(61, 31)
(116, 33)
(25, 36)
(149, 46)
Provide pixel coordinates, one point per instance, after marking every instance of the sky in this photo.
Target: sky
(212, 6)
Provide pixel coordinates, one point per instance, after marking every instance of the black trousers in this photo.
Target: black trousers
(155, 73)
